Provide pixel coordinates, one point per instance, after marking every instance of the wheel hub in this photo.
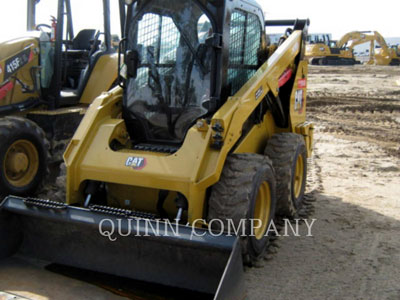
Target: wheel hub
(298, 176)
(262, 209)
(21, 163)
(17, 162)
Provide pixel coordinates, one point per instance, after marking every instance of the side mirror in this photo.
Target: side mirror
(132, 62)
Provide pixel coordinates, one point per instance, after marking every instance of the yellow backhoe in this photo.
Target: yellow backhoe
(48, 78)
(206, 133)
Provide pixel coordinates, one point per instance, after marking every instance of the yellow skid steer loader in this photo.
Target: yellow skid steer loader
(167, 174)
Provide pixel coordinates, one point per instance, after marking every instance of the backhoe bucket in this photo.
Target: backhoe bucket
(150, 251)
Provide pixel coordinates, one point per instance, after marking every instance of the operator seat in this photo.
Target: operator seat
(81, 44)
(75, 61)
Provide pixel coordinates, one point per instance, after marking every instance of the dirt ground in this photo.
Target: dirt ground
(353, 191)
(354, 252)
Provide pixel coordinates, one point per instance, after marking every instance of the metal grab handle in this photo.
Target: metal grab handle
(297, 23)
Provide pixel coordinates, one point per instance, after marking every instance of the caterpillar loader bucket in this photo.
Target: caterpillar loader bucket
(174, 256)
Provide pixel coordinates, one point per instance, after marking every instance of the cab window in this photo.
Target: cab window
(245, 43)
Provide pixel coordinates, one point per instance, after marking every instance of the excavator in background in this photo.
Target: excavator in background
(355, 38)
(207, 129)
(395, 54)
(380, 54)
(48, 78)
(322, 50)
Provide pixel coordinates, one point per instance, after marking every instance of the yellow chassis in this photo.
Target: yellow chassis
(195, 166)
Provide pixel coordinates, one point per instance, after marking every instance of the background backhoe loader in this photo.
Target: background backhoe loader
(208, 131)
(47, 80)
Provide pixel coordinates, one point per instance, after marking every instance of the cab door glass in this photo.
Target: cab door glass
(244, 45)
(158, 40)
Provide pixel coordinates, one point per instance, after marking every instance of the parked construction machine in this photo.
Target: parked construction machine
(206, 132)
(322, 50)
(382, 54)
(379, 53)
(47, 80)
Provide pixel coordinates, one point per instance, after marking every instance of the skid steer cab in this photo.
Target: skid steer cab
(208, 131)
(48, 78)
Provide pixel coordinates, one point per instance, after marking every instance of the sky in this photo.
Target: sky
(340, 16)
(85, 14)
(336, 17)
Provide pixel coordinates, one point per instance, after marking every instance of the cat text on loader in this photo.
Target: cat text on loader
(209, 129)
(48, 77)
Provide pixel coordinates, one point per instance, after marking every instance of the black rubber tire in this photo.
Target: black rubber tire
(283, 149)
(234, 197)
(13, 129)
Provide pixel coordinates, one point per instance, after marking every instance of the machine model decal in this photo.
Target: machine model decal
(299, 101)
(13, 64)
(5, 89)
(137, 163)
(302, 83)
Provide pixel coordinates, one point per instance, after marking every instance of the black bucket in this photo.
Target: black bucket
(150, 251)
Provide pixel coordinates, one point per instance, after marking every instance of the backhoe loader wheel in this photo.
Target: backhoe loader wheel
(23, 156)
(288, 154)
(244, 195)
